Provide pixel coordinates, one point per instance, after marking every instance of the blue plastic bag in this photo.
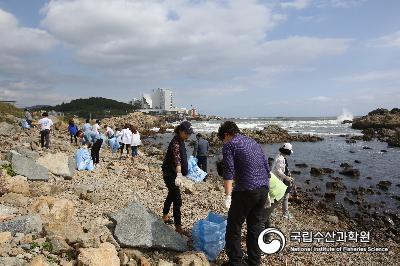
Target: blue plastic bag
(114, 144)
(83, 160)
(194, 171)
(25, 124)
(209, 235)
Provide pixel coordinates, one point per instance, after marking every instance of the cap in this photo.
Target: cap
(186, 126)
(288, 146)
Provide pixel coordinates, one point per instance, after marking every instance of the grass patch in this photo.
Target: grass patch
(9, 169)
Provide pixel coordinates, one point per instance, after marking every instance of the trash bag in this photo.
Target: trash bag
(25, 124)
(114, 144)
(209, 235)
(194, 172)
(277, 188)
(83, 160)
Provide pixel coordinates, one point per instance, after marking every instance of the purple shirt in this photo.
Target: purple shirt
(244, 161)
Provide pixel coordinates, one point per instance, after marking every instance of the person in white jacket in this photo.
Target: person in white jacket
(135, 141)
(280, 169)
(126, 139)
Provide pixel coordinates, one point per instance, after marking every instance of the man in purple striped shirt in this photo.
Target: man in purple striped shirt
(245, 163)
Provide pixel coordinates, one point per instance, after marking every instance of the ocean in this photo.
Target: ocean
(377, 163)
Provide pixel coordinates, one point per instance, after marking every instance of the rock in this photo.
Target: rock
(39, 261)
(384, 185)
(347, 121)
(7, 210)
(193, 258)
(350, 172)
(301, 165)
(12, 261)
(18, 184)
(384, 151)
(5, 237)
(14, 199)
(335, 185)
(104, 255)
(351, 141)
(321, 171)
(59, 245)
(164, 263)
(330, 195)
(7, 129)
(37, 189)
(136, 226)
(133, 254)
(144, 262)
(295, 172)
(332, 219)
(345, 165)
(59, 164)
(25, 224)
(123, 258)
(357, 161)
(27, 167)
(366, 148)
(28, 153)
(55, 212)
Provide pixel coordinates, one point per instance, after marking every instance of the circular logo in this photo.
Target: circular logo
(275, 245)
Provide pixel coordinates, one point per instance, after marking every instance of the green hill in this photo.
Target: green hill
(7, 110)
(96, 107)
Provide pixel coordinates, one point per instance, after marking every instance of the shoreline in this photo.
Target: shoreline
(115, 183)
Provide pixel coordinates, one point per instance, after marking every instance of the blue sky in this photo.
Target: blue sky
(231, 58)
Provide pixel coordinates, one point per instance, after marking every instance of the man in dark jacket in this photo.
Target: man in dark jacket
(244, 162)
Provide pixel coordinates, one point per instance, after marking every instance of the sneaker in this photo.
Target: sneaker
(287, 215)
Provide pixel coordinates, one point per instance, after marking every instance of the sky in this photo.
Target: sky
(236, 58)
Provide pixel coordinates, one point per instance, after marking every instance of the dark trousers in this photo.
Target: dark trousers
(74, 136)
(134, 151)
(29, 122)
(45, 138)
(95, 151)
(202, 162)
(127, 148)
(249, 206)
(174, 196)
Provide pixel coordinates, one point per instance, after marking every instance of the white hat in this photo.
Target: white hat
(288, 146)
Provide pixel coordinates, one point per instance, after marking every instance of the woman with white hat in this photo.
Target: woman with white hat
(281, 170)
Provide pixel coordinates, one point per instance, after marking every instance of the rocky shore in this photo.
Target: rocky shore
(380, 124)
(51, 214)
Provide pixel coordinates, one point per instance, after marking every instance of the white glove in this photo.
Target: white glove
(179, 180)
(228, 201)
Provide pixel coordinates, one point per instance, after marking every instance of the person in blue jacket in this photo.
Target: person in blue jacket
(72, 129)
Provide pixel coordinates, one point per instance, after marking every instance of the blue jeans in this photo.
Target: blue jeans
(134, 151)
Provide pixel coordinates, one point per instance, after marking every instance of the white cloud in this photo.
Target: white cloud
(17, 40)
(321, 99)
(391, 40)
(297, 4)
(138, 39)
(391, 74)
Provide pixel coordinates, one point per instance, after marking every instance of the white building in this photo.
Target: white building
(162, 99)
(147, 102)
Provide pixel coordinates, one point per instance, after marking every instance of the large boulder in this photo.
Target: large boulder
(193, 258)
(55, 212)
(58, 163)
(28, 224)
(27, 152)
(25, 166)
(106, 254)
(136, 226)
(7, 129)
(12, 261)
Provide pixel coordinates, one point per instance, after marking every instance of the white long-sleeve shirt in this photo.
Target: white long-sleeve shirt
(126, 137)
(278, 168)
(136, 139)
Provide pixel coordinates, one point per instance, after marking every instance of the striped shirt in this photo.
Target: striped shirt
(245, 162)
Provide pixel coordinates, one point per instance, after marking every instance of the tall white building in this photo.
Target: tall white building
(162, 99)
